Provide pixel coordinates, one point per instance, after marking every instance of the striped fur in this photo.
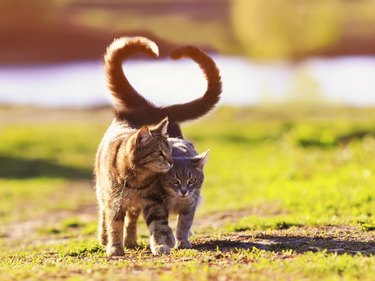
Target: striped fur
(181, 186)
(127, 165)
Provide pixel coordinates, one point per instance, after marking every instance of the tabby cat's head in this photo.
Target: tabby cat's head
(150, 148)
(185, 179)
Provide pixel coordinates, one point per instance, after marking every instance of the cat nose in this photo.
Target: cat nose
(183, 191)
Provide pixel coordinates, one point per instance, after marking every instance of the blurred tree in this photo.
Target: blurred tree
(25, 12)
(285, 28)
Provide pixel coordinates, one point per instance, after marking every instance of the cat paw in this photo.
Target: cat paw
(160, 249)
(183, 244)
(115, 251)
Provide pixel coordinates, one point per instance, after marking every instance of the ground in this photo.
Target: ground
(288, 195)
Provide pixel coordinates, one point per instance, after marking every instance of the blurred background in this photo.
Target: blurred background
(292, 140)
(269, 52)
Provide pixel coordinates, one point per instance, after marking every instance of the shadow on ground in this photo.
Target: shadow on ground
(22, 168)
(279, 243)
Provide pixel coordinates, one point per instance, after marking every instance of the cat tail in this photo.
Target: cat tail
(196, 108)
(134, 108)
(125, 97)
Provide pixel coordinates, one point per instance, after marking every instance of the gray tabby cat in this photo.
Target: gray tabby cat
(182, 185)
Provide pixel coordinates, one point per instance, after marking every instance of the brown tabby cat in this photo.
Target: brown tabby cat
(182, 185)
(132, 154)
(127, 164)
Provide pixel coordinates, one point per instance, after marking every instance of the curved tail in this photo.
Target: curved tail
(132, 107)
(200, 106)
(124, 95)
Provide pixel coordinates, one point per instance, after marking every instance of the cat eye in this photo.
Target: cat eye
(175, 181)
(191, 181)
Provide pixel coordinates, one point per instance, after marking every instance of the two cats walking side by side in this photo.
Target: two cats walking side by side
(143, 163)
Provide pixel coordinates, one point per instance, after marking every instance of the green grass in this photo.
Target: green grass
(79, 260)
(288, 195)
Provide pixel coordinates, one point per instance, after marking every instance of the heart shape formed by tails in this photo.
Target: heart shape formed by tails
(132, 107)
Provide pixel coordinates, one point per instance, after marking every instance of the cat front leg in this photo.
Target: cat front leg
(115, 228)
(184, 223)
(161, 235)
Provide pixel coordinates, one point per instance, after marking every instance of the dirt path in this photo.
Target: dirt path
(333, 239)
(28, 229)
(89, 213)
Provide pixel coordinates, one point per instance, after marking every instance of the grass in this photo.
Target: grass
(288, 195)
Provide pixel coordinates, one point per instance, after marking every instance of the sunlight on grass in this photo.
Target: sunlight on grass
(77, 257)
(290, 172)
(28, 199)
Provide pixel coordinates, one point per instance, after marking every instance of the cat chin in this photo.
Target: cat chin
(177, 196)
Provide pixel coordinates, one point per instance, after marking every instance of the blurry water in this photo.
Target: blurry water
(348, 81)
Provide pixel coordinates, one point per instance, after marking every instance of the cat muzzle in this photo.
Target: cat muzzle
(183, 192)
(166, 167)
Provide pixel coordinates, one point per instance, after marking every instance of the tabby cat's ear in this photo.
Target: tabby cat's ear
(162, 126)
(143, 135)
(200, 160)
